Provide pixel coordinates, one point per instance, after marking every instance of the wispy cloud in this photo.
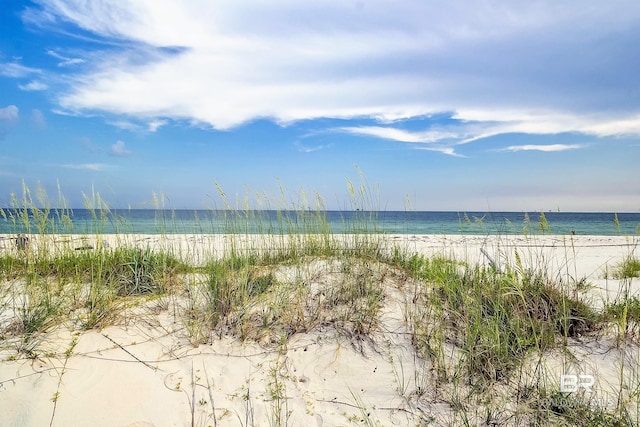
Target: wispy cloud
(144, 126)
(546, 148)
(9, 113)
(119, 150)
(98, 167)
(400, 135)
(479, 125)
(457, 132)
(440, 149)
(17, 70)
(439, 140)
(126, 125)
(310, 149)
(501, 67)
(33, 86)
(64, 60)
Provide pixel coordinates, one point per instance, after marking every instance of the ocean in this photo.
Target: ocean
(149, 221)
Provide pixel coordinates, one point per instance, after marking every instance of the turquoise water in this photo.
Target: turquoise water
(145, 221)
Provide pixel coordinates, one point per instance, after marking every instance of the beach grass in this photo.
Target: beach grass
(481, 332)
(629, 267)
(495, 320)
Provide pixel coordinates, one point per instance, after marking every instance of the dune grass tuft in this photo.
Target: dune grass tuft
(628, 268)
(494, 319)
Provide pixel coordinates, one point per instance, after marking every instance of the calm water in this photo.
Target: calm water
(400, 222)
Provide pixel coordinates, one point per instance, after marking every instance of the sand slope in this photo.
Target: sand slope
(146, 371)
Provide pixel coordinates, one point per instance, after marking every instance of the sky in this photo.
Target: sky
(430, 105)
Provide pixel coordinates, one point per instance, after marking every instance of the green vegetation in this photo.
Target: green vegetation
(474, 329)
(630, 267)
(495, 320)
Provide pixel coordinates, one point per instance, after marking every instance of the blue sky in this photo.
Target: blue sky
(454, 105)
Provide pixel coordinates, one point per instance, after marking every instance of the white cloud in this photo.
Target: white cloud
(16, 70)
(9, 113)
(33, 85)
(307, 149)
(150, 126)
(546, 148)
(531, 67)
(463, 132)
(400, 135)
(125, 124)
(98, 167)
(481, 125)
(119, 150)
(65, 61)
(440, 149)
(154, 125)
(431, 140)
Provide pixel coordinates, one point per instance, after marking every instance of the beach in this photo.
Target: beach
(155, 363)
(336, 213)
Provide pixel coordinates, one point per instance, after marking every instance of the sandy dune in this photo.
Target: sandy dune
(146, 371)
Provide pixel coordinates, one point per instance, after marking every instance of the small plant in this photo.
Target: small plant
(355, 302)
(365, 417)
(628, 268)
(100, 307)
(135, 271)
(12, 266)
(277, 393)
(56, 396)
(626, 314)
(36, 312)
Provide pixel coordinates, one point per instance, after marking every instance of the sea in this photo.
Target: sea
(152, 221)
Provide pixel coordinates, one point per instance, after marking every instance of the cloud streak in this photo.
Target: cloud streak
(441, 141)
(400, 135)
(533, 68)
(33, 86)
(310, 149)
(97, 167)
(65, 61)
(483, 126)
(546, 148)
(17, 70)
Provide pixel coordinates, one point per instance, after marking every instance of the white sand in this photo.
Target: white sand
(144, 371)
